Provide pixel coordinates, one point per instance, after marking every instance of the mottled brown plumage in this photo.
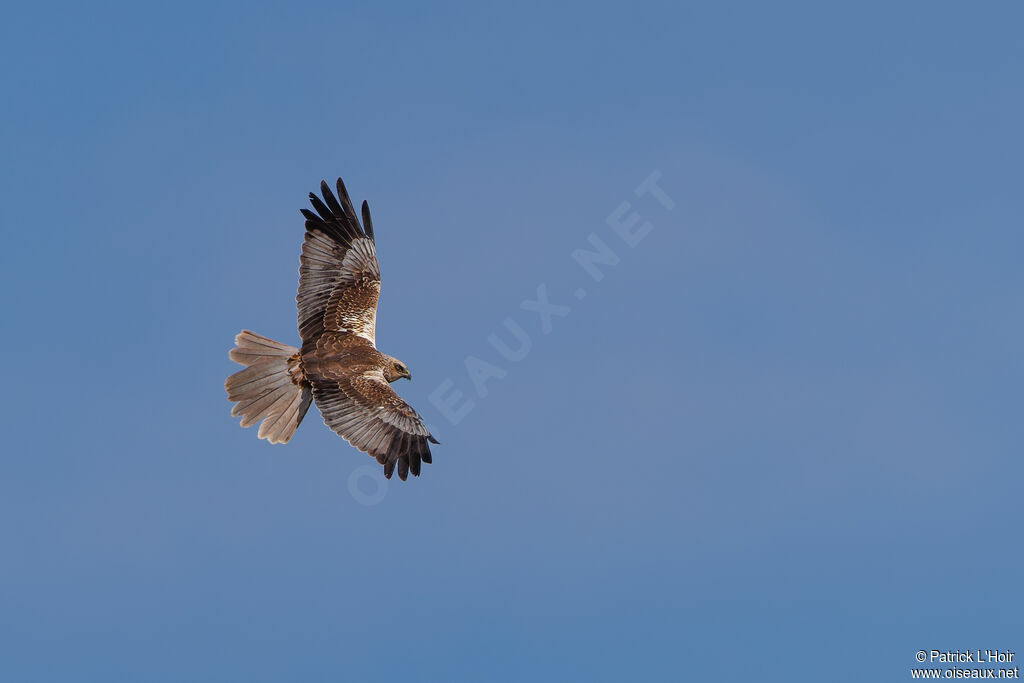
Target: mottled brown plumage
(338, 365)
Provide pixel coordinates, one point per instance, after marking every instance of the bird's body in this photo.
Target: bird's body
(341, 353)
(338, 365)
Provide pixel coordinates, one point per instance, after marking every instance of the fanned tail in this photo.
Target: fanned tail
(271, 388)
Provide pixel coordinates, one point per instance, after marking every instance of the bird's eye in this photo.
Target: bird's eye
(398, 367)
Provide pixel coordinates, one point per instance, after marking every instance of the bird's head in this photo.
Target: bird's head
(396, 369)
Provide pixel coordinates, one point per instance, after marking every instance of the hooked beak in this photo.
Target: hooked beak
(408, 375)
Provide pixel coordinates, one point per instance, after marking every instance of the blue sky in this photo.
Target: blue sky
(779, 439)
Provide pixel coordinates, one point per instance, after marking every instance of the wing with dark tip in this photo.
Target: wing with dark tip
(367, 413)
(339, 277)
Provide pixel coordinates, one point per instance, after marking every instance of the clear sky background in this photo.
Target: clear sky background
(779, 440)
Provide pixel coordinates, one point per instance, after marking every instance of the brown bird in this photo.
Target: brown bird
(339, 365)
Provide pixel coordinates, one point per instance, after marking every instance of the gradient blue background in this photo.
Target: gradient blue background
(780, 440)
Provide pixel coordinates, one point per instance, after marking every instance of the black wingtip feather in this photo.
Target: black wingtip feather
(367, 222)
(336, 209)
(325, 213)
(347, 202)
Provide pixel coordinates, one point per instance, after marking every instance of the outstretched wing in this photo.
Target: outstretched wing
(339, 278)
(367, 413)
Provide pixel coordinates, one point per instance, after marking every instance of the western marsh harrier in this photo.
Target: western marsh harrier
(339, 365)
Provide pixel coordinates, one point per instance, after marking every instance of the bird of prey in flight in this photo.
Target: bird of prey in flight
(338, 365)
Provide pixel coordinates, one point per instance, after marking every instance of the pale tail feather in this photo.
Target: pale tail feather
(270, 388)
